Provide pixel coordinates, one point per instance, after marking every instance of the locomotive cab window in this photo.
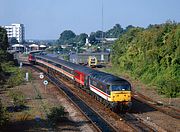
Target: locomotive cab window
(124, 87)
(108, 89)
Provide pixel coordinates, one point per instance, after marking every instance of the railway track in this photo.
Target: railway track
(97, 120)
(136, 123)
(168, 110)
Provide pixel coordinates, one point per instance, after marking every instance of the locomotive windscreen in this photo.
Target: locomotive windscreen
(124, 87)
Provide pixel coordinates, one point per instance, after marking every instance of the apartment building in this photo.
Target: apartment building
(17, 31)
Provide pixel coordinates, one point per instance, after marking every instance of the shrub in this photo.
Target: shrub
(169, 87)
(56, 114)
(16, 75)
(16, 78)
(3, 115)
(14, 81)
(18, 98)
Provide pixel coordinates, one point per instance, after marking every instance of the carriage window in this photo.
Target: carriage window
(94, 83)
(58, 65)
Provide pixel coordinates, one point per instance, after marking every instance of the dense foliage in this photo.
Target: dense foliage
(115, 32)
(3, 115)
(3, 39)
(68, 36)
(56, 114)
(152, 55)
(8, 74)
(4, 56)
(6, 63)
(13, 40)
(18, 98)
(16, 74)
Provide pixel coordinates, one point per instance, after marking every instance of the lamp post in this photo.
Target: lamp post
(102, 25)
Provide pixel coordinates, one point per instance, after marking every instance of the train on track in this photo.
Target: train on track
(111, 90)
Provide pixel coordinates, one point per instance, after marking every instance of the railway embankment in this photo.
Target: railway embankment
(38, 103)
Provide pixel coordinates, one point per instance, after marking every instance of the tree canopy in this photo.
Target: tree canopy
(4, 56)
(81, 39)
(115, 32)
(152, 55)
(13, 40)
(69, 36)
(3, 39)
(66, 36)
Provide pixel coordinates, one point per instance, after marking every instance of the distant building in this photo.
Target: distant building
(111, 39)
(87, 42)
(107, 39)
(17, 31)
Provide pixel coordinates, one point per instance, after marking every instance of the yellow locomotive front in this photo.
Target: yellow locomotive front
(120, 96)
(92, 61)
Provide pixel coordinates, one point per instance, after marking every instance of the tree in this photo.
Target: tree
(65, 36)
(13, 40)
(92, 38)
(152, 55)
(115, 32)
(128, 27)
(3, 39)
(4, 55)
(99, 34)
(81, 39)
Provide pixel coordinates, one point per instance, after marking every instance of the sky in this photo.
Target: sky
(47, 19)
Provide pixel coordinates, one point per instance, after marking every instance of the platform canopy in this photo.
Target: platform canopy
(42, 46)
(33, 45)
(17, 45)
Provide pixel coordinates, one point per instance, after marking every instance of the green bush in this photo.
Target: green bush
(17, 97)
(151, 55)
(16, 75)
(16, 78)
(3, 115)
(56, 114)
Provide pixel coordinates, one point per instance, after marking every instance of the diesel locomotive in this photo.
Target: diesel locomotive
(113, 91)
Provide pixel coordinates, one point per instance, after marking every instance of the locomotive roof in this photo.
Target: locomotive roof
(98, 75)
(107, 78)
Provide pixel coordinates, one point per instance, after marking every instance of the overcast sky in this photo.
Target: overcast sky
(46, 19)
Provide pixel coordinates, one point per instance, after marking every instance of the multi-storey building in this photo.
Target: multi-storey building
(17, 31)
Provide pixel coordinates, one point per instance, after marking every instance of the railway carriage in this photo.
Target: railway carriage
(115, 92)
